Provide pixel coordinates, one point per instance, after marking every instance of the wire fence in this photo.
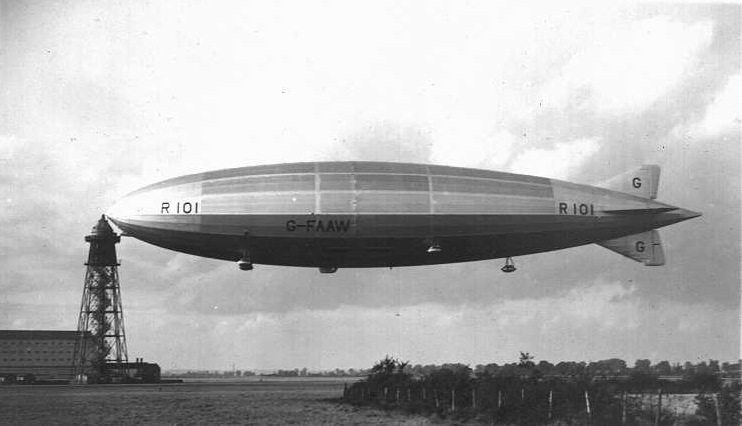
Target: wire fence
(540, 402)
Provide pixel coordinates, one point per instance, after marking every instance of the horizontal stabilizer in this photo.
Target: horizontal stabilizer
(642, 211)
(645, 247)
(642, 182)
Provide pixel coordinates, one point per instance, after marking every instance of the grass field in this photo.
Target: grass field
(270, 402)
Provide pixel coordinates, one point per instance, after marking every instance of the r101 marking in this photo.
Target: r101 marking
(580, 209)
(186, 207)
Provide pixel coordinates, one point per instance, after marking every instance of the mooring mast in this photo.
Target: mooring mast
(100, 348)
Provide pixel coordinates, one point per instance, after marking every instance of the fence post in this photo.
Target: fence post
(587, 406)
(386, 392)
(659, 408)
(495, 412)
(473, 398)
(520, 406)
(550, 402)
(397, 396)
(423, 392)
(718, 411)
(409, 394)
(453, 400)
(623, 408)
(435, 395)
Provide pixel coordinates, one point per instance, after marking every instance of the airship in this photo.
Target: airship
(331, 215)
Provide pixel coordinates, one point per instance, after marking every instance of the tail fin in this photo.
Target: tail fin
(645, 247)
(642, 182)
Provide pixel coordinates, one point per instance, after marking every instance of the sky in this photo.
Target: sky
(97, 100)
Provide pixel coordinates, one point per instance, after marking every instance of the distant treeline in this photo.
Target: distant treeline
(200, 374)
(332, 373)
(604, 392)
(280, 373)
(610, 368)
(613, 368)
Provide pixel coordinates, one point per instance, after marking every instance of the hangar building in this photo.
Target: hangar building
(45, 354)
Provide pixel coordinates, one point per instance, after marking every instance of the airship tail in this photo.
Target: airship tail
(644, 247)
(641, 182)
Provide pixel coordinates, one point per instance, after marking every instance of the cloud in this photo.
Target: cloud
(558, 162)
(106, 100)
(624, 68)
(384, 141)
(723, 114)
(599, 320)
(485, 148)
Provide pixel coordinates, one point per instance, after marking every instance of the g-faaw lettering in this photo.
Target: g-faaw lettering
(318, 225)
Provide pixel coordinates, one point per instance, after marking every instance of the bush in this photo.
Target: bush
(729, 405)
(511, 394)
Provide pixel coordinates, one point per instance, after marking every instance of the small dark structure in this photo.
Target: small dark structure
(133, 372)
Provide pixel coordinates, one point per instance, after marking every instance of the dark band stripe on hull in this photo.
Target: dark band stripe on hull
(373, 202)
(458, 203)
(366, 225)
(487, 186)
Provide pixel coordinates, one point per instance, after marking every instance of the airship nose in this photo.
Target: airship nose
(117, 210)
(687, 214)
(675, 215)
(125, 208)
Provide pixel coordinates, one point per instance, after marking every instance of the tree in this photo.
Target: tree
(642, 374)
(642, 366)
(545, 367)
(729, 405)
(702, 368)
(663, 368)
(491, 369)
(389, 365)
(526, 360)
(508, 370)
(616, 365)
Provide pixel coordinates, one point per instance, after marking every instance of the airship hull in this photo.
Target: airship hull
(366, 214)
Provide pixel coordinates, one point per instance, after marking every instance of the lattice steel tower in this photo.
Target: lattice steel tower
(100, 349)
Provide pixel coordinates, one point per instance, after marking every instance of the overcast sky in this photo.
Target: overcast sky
(97, 100)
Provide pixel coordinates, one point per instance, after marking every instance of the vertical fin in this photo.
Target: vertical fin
(642, 182)
(645, 247)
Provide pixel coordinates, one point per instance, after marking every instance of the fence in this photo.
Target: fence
(528, 402)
